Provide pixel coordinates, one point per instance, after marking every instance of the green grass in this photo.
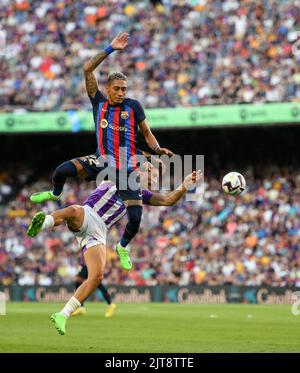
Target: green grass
(152, 328)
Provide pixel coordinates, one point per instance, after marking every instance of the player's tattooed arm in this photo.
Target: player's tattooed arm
(170, 199)
(94, 62)
(90, 83)
(118, 43)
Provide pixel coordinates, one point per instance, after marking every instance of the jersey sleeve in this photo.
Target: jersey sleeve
(146, 196)
(139, 113)
(97, 98)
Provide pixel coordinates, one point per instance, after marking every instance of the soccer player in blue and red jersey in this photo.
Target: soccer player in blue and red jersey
(117, 120)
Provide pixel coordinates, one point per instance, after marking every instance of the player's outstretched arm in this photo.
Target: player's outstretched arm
(159, 199)
(118, 43)
(151, 140)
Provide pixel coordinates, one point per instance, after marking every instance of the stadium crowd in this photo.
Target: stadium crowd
(181, 53)
(252, 239)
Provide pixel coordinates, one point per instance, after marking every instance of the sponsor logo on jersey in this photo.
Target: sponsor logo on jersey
(117, 128)
(104, 123)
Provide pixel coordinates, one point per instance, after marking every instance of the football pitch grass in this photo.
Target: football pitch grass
(152, 327)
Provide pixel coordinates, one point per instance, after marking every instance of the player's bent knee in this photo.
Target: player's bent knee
(74, 211)
(81, 172)
(77, 164)
(65, 170)
(95, 279)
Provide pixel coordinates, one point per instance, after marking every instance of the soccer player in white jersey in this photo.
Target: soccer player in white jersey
(90, 224)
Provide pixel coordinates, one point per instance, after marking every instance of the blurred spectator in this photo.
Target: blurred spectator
(181, 53)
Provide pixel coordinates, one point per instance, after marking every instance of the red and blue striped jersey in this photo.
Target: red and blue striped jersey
(117, 127)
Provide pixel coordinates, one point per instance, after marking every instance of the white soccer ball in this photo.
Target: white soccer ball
(233, 183)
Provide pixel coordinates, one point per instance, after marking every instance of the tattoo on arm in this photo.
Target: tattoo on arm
(95, 61)
(88, 68)
(90, 83)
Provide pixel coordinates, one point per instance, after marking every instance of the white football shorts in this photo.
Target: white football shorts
(93, 230)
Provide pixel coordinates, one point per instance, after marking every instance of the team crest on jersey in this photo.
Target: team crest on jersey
(103, 123)
(124, 114)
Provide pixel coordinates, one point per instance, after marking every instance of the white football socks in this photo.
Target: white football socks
(49, 222)
(70, 307)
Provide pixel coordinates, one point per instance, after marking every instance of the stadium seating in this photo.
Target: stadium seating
(181, 53)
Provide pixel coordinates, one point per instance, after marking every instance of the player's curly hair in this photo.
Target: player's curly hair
(116, 76)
